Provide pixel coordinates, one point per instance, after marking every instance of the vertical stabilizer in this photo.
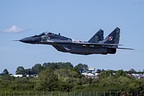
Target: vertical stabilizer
(113, 37)
(97, 37)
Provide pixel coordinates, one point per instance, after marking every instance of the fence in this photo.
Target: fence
(72, 93)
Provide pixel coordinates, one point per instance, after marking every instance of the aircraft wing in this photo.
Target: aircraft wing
(87, 44)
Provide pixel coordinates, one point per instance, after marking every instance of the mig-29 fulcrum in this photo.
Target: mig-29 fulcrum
(96, 45)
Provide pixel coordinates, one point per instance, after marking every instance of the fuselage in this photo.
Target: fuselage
(69, 45)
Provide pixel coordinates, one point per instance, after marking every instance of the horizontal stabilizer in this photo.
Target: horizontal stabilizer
(126, 48)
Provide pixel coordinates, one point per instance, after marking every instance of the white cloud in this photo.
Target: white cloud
(14, 28)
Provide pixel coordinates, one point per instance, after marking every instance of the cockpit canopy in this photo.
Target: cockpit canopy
(53, 36)
(44, 33)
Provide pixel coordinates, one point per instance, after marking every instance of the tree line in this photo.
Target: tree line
(37, 68)
(63, 76)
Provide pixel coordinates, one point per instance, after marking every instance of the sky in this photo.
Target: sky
(77, 19)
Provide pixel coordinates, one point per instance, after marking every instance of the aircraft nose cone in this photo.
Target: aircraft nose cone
(26, 40)
(32, 40)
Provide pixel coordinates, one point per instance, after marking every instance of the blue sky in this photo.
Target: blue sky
(78, 19)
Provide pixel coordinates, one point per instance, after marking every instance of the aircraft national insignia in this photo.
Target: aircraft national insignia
(110, 38)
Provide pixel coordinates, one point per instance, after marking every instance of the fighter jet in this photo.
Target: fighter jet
(96, 45)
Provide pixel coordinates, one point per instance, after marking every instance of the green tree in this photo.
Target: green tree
(5, 72)
(22, 84)
(37, 68)
(20, 70)
(47, 81)
(107, 73)
(120, 73)
(50, 65)
(99, 71)
(81, 67)
(62, 65)
(68, 79)
(29, 71)
(132, 71)
(58, 65)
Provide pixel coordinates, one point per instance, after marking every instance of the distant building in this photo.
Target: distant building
(90, 73)
(18, 75)
(91, 69)
(138, 76)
